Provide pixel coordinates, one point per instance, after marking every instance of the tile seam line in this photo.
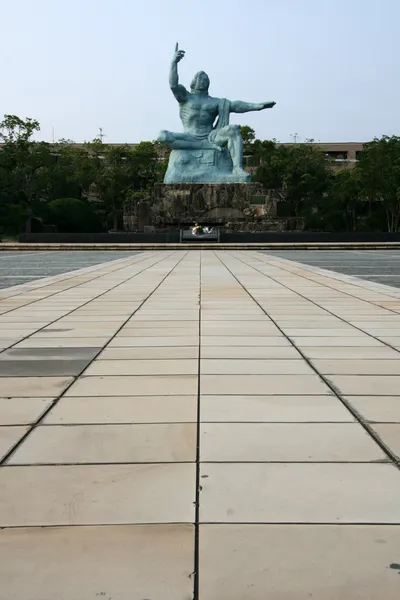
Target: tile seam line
(196, 561)
(55, 402)
(82, 305)
(344, 402)
(75, 274)
(396, 349)
(65, 277)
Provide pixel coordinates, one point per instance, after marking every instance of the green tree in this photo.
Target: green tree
(25, 166)
(71, 215)
(379, 170)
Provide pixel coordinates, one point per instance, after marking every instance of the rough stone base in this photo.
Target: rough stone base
(233, 207)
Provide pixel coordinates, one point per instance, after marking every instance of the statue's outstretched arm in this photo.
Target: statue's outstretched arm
(178, 90)
(237, 106)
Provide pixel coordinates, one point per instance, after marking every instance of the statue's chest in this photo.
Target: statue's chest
(202, 108)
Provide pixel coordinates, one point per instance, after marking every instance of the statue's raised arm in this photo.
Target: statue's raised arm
(237, 106)
(178, 90)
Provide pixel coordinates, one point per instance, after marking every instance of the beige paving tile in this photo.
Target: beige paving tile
(377, 408)
(240, 317)
(391, 340)
(149, 353)
(80, 444)
(35, 387)
(287, 442)
(144, 367)
(361, 341)
(257, 367)
(389, 433)
(161, 341)
(124, 409)
(238, 328)
(246, 352)
(97, 494)
(366, 385)
(299, 493)
(343, 352)
(358, 367)
(135, 323)
(77, 332)
(93, 342)
(242, 340)
(131, 332)
(262, 384)
(18, 411)
(273, 409)
(143, 561)
(161, 385)
(351, 332)
(271, 562)
(9, 436)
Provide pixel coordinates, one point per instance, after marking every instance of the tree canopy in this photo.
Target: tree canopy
(83, 187)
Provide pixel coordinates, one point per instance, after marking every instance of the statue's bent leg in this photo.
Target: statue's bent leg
(230, 136)
(179, 141)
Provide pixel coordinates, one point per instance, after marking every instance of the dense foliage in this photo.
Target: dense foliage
(83, 188)
(71, 187)
(312, 188)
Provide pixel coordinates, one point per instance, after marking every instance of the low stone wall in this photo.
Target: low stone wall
(273, 237)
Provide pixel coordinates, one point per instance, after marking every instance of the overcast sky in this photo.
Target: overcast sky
(332, 66)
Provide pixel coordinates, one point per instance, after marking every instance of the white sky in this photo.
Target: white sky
(332, 66)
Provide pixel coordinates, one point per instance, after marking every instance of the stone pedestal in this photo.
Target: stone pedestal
(231, 206)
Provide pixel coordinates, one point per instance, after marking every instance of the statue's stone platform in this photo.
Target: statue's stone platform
(205, 165)
(233, 206)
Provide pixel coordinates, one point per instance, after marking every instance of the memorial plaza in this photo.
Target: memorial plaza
(204, 424)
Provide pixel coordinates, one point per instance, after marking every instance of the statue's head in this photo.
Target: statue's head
(200, 82)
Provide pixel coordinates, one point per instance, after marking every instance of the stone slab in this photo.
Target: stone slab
(389, 433)
(255, 367)
(95, 444)
(35, 387)
(123, 409)
(40, 368)
(271, 562)
(262, 385)
(358, 367)
(21, 411)
(97, 495)
(161, 385)
(36, 354)
(144, 561)
(143, 367)
(149, 353)
(286, 442)
(376, 409)
(273, 409)
(160, 341)
(299, 493)
(366, 385)
(249, 352)
(9, 436)
(344, 352)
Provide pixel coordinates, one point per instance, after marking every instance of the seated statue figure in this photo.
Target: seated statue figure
(209, 149)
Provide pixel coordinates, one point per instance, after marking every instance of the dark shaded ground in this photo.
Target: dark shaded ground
(381, 266)
(21, 267)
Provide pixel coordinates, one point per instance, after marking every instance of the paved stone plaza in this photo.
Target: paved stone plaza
(218, 425)
(22, 267)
